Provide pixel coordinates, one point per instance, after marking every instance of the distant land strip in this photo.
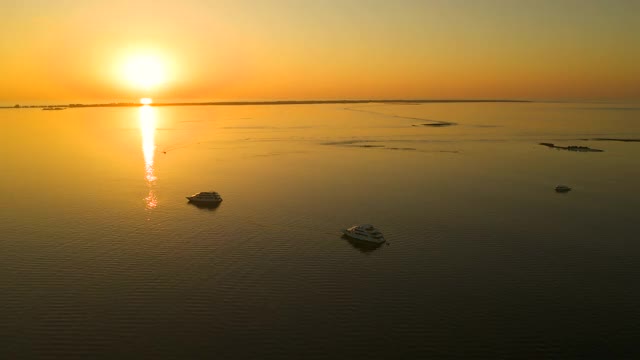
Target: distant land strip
(615, 139)
(280, 102)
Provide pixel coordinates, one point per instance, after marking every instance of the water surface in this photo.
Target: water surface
(101, 256)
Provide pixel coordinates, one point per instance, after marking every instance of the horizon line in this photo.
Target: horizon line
(273, 102)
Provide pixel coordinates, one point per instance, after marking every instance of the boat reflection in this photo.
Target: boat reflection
(148, 131)
(362, 246)
(205, 206)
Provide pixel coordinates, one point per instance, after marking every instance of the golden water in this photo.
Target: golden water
(101, 256)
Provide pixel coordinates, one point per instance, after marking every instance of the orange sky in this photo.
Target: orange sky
(75, 51)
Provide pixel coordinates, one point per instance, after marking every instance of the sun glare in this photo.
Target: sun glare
(148, 130)
(146, 101)
(145, 71)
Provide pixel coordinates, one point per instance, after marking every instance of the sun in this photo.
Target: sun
(145, 71)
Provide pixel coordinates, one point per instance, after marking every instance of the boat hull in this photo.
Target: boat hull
(362, 238)
(200, 201)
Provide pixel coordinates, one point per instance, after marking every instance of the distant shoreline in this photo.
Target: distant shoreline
(282, 102)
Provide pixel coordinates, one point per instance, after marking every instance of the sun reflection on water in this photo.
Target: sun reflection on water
(148, 131)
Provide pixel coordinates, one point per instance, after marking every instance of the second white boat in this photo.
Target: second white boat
(364, 232)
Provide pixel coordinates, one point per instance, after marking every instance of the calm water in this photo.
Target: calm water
(101, 256)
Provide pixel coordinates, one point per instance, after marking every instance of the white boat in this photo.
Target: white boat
(205, 197)
(562, 188)
(365, 232)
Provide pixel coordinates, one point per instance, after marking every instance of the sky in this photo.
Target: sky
(68, 51)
